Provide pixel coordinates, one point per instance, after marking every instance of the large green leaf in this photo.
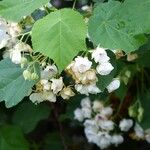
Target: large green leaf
(13, 86)
(60, 36)
(11, 138)
(27, 115)
(14, 10)
(120, 26)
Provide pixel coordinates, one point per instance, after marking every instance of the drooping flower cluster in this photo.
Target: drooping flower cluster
(50, 86)
(85, 75)
(99, 127)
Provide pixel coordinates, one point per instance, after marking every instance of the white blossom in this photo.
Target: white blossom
(117, 139)
(107, 125)
(104, 140)
(66, 93)
(78, 115)
(15, 56)
(4, 37)
(43, 96)
(104, 68)
(125, 124)
(99, 55)
(114, 85)
(147, 135)
(86, 89)
(91, 133)
(107, 111)
(86, 112)
(49, 72)
(57, 85)
(139, 132)
(82, 64)
(86, 103)
(97, 106)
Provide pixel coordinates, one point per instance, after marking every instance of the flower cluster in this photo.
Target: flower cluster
(101, 129)
(51, 84)
(85, 75)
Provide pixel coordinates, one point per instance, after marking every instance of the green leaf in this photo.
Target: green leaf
(145, 100)
(27, 115)
(11, 138)
(13, 87)
(14, 10)
(120, 26)
(60, 36)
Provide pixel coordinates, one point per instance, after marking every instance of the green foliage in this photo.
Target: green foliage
(116, 25)
(11, 138)
(14, 10)
(60, 36)
(53, 142)
(27, 115)
(145, 100)
(13, 86)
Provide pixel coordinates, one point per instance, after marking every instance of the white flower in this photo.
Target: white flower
(86, 103)
(44, 81)
(99, 55)
(86, 89)
(104, 140)
(49, 72)
(97, 106)
(82, 64)
(85, 8)
(91, 133)
(42, 96)
(14, 29)
(107, 111)
(36, 97)
(104, 68)
(47, 86)
(86, 112)
(66, 93)
(147, 135)
(117, 139)
(114, 85)
(57, 85)
(49, 96)
(78, 115)
(4, 37)
(82, 89)
(107, 125)
(139, 132)
(125, 124)
(22, 47)
(15, 56)
(89, 122)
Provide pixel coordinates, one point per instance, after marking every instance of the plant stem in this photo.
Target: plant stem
(59, 125)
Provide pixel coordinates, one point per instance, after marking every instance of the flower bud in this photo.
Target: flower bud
(140, 114)
(34, 76)
(27, 74)
(132, 112)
